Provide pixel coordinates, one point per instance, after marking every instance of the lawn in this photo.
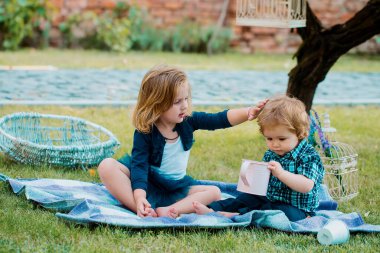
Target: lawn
(215, 156)
(69, 59)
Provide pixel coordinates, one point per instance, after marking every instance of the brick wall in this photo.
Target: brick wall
(167, 13)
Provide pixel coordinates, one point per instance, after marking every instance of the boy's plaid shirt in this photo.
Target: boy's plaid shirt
(303, 160)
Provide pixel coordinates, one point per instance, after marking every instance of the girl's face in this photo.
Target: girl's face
(279, 139)
(178, 111)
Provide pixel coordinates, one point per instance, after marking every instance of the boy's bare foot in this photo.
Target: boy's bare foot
(167, 211)
(200, 208)
(228, 215)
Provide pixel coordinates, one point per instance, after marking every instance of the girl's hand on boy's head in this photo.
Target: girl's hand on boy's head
(253, 112)
(275, 168)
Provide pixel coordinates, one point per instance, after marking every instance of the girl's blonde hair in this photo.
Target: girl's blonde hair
(287, 111)
(157, 93)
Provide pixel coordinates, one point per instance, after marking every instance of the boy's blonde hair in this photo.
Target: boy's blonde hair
(287, 111)
(157, 93)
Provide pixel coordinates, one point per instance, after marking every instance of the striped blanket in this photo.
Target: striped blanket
(91, 204)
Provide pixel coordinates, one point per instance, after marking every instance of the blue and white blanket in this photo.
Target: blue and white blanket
(91, 203)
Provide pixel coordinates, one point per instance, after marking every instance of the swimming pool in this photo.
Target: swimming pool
(120, 87)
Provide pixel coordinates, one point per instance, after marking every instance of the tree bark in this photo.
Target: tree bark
(322, 47)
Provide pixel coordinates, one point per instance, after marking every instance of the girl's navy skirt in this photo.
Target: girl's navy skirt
(162, 191)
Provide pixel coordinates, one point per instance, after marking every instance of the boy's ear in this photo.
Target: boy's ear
(302, 136)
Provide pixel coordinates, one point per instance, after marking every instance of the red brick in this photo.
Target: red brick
(235, 42)
(172, 20)
(108, 4)
(75, 4)
(245, 49)
(346, 16)
(264, 30)
(354, 5)
(173, 5)
(56, 3)
(159, 12)
(247, 36)
(237, 29)
(92, 4)
(165, 13)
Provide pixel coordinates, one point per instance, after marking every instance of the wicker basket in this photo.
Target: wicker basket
(37, 139)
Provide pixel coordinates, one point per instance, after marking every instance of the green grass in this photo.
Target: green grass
(73, 59)
(216, 156)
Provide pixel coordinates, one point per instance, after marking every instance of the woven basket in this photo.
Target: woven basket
(37, 139)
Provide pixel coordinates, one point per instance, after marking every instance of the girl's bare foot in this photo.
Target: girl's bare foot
(151, 212)
(167, 211)
(201, 209)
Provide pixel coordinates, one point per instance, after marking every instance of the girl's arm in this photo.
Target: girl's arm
(224, 119)
(139, 173)
(237, 116)
(296, 182)
(140, 161)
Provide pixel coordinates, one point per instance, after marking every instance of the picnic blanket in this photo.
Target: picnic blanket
(91, 204)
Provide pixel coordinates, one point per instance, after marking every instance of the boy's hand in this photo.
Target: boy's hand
(275, 168)
(253, 112)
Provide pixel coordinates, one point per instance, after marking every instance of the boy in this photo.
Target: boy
(296, 168)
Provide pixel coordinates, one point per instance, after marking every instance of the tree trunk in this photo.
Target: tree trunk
(321, 48)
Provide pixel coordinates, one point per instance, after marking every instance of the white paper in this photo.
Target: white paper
(254, 178)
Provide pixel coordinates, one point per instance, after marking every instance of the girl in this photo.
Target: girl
(153, 181)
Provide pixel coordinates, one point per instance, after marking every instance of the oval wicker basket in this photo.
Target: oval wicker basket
(37, 139)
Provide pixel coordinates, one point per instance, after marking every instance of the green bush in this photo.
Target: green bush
(126, 27)
(144, 36)
(222, 40)
(112, 33)
(113, 29)
(129, 27)
(185, 37)
(66, 28)
(23, 22)
(192, 37)
(108, 31)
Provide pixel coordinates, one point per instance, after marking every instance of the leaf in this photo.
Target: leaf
(41, 10)
(22, 2)
(7, 44)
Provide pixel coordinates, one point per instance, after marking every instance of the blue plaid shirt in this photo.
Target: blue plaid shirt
(302, 160)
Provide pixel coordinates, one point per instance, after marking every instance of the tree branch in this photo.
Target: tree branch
(321, 48)
(313, 25)
(360, 28)
(312, 30)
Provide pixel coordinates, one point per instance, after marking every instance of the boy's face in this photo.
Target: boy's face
(279, 139)
(178, 111)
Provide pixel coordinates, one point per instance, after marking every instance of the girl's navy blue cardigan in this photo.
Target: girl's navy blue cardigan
(148, 148)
